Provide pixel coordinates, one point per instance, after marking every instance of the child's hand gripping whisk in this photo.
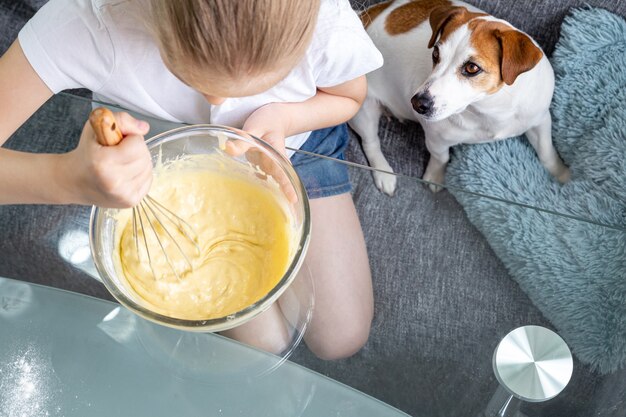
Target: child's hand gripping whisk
(149, 214)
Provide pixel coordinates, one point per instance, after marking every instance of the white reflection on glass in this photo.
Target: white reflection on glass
(74, 248)
(120, 325)
(15, 297)
(113, 314)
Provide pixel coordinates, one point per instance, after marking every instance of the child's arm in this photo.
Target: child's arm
(21, 91)
(329, 107)
(116, 176)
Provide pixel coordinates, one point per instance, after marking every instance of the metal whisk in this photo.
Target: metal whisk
(149, 213)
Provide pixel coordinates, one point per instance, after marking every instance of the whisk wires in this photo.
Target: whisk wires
(151, 215)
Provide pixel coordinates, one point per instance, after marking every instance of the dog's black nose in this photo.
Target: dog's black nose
(422, 103)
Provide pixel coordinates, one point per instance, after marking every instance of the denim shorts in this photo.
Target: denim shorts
(322, 177)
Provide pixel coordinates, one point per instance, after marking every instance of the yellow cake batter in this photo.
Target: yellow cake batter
(243, 234)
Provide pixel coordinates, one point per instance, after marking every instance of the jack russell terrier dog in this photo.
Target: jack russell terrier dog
(483, 81)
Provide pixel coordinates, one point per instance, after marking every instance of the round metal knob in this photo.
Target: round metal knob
(533, 363)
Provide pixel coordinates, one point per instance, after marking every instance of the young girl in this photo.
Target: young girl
(290, 72)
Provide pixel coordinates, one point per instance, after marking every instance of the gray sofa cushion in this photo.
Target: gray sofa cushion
(13, 15)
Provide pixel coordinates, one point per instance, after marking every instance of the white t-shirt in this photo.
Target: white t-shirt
(101, 45)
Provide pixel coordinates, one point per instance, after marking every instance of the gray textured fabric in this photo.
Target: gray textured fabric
(12, 18)
(439, 313)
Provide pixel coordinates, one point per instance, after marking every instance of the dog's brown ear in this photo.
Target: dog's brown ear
(519, 54)
(439, 18)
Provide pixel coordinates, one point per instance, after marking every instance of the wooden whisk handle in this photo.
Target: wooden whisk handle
(103, 124)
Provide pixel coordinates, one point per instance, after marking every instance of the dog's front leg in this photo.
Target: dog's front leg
(439, 156)
(365, 124)
(540, 137)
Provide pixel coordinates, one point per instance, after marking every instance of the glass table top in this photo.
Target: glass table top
(65, 354)
(453, 273)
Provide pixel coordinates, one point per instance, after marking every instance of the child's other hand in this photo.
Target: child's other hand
(267, 123)
(108, 176)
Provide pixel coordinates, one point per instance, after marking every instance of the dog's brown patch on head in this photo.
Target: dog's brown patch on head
(503, 52)
(368, 15)
(444, 20)
(411, 15)
(488, 54)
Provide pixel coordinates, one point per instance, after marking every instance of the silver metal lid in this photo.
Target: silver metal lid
(533, 363)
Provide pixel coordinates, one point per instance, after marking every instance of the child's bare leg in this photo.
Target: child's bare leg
(268, 331)
(337, 258)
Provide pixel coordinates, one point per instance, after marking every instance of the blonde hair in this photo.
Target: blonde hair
(233, 38)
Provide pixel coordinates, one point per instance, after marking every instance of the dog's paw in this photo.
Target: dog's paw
(434, 179)
(385, 182)
(564, 176)
(435, 188)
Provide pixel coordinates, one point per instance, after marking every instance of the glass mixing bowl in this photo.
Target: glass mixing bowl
(262, 161)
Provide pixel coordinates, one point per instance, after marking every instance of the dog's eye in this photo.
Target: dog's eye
(436, 55)
(470, 69)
